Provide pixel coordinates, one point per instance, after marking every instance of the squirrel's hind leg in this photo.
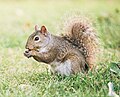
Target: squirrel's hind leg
(78, 65)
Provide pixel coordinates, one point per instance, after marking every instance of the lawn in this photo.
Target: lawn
(22, 77)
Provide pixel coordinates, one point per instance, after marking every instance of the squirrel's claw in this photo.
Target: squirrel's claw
(27, 54)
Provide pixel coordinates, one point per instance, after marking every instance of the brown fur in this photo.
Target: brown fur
(75, 50)
(80, 33)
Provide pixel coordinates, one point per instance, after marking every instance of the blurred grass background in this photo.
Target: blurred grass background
(22, 77)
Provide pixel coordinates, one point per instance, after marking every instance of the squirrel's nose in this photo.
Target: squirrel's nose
(26, 46)
(29, 47)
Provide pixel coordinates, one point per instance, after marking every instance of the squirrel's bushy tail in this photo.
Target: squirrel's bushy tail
(80, 32)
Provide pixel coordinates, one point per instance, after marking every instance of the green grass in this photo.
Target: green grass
(22, 77)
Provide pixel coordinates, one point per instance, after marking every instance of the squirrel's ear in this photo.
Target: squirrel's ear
(37, 28)
(43, 30)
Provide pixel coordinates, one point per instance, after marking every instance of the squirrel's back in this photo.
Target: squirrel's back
(80, 32)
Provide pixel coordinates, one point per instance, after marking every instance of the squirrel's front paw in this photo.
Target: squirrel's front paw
(27, 54)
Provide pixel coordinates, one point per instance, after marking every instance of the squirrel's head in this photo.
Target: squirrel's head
(39, 39)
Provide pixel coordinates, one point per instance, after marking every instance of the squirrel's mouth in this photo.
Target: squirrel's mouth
(28, 54)
(33, 49)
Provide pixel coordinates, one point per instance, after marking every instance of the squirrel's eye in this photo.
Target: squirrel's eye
(37, 38)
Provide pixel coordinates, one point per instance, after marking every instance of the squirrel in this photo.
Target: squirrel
(69, 53)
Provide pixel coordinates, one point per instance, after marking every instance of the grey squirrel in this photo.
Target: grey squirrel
(70, 53)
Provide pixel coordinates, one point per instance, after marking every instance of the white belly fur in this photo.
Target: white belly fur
(64, 68)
